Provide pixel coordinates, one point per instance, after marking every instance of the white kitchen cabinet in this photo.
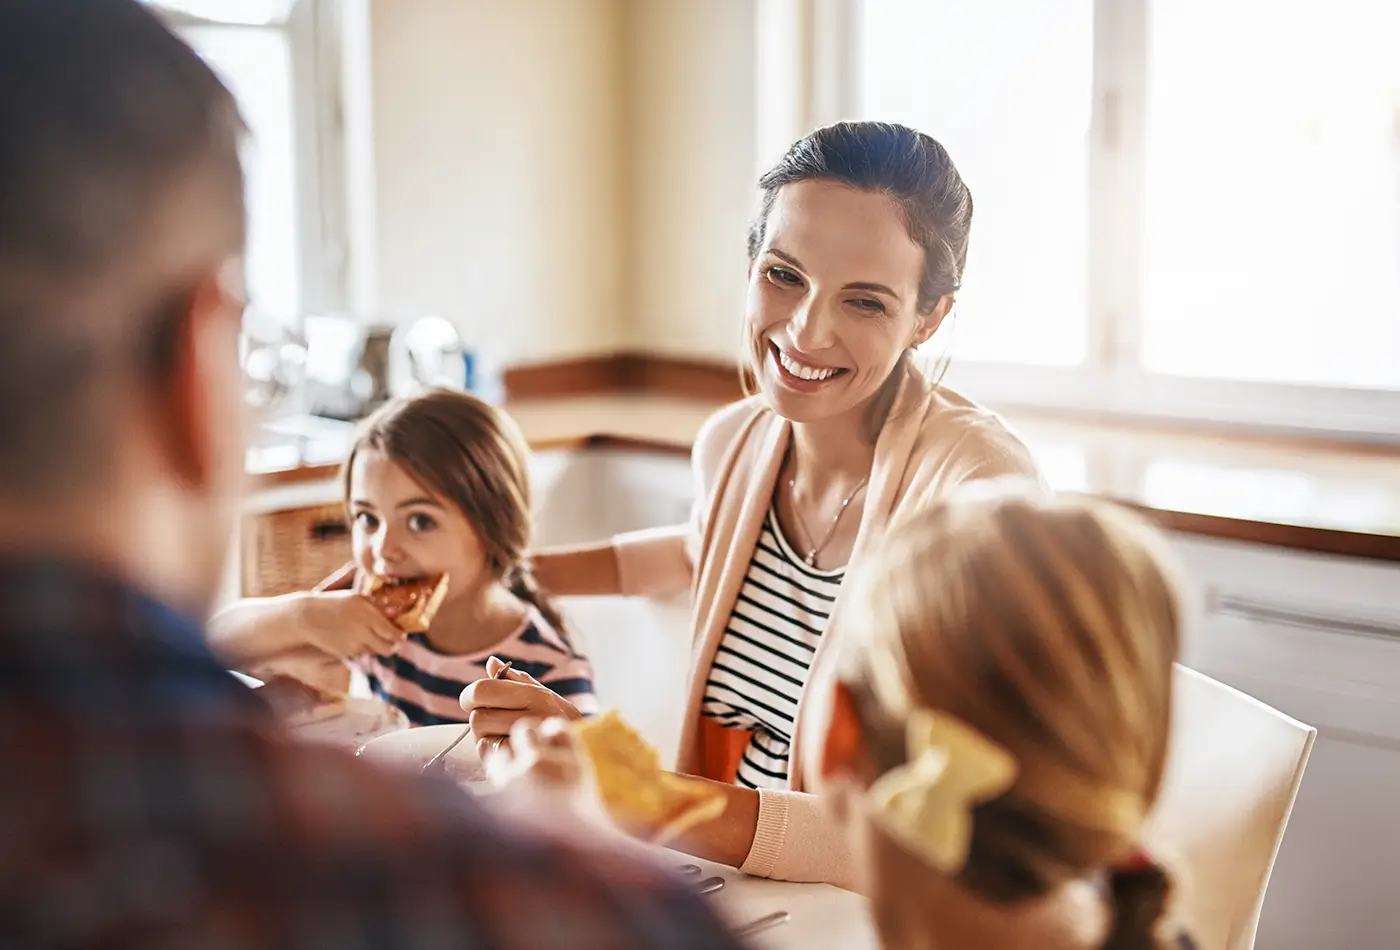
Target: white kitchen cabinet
(1317, 637)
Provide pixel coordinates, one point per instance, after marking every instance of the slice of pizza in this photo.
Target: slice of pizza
(636, 791)
(409, 602)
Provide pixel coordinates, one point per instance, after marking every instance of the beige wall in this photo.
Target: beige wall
(498, 170)
(565, 177)
(691, 114)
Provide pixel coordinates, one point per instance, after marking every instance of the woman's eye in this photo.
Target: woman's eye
(869, 305)
(782, 275)
(421, 522)
(366, 520)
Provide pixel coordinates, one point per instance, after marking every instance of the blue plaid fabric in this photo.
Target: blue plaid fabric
(147, 800)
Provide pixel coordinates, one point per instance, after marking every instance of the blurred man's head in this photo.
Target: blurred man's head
(121, 235)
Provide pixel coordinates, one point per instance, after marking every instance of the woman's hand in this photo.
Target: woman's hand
(345, 625)
(493, 706)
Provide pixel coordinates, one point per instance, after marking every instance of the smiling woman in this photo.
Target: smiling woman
(855, 259)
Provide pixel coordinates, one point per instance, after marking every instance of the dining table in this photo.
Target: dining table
(819, 916)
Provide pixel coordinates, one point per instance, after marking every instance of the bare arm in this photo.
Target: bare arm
(729, 838)
(654, 562)
(338, 623)
(256, 628)
(578, 570)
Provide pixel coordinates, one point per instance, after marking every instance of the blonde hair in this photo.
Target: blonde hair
(1050, 627)
(473, 455)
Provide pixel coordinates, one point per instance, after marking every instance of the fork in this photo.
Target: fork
(438, 763)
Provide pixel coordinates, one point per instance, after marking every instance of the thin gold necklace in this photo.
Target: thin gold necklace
(811, 557)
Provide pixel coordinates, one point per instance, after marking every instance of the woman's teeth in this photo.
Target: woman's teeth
(804, 372)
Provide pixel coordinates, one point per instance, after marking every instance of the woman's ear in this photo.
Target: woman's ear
(842, 750)
(929, 324)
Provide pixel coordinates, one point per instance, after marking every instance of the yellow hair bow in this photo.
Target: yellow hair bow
(926, 804)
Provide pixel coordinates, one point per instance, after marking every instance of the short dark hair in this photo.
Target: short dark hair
(103, 113)
(910, 167)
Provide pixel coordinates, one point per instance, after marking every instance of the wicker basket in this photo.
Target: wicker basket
(296, 549)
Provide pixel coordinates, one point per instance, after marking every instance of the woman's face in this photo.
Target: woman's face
(403, 530)
(832, 299)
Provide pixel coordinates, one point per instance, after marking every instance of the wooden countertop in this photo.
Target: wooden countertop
(1339, 500)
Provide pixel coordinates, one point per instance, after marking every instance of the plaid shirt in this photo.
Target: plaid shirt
(147, 800)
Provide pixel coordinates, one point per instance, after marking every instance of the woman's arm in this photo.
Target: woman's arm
(654, 562)
(789, 836)
(579, 570)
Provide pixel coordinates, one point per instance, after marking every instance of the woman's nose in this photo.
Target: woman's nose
(810, 327)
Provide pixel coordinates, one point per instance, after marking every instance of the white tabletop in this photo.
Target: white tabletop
(822, 916)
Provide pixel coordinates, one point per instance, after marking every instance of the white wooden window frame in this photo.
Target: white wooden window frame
(315, 34)
(1112, 381)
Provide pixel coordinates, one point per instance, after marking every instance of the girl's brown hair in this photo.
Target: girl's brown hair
(1049, 626)
(473, 455)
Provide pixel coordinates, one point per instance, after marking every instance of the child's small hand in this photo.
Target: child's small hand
(494, 706)
(346, 625)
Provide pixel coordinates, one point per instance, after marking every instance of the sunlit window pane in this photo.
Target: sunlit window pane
(1273, 196)
(1006, 86)
(256, 65)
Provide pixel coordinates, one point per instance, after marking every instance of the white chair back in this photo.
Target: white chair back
(1233, 773)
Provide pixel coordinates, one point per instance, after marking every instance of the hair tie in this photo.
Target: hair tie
(1138, 860)
(926, 804)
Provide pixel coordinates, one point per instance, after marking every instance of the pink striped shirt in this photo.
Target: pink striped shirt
(426, 684)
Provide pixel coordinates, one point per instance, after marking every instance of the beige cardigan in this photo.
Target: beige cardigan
(933, 441)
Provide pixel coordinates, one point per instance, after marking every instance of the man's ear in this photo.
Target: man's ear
(928, 325)
(844, 745)
(191, 403)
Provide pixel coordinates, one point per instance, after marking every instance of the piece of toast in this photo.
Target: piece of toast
(410, 604)
(636, 791)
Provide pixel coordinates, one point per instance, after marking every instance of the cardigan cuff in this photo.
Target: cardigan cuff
(769, 836)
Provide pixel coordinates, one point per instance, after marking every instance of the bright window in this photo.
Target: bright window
(1273, 192)
(1184, 208)
(255, 63)
(1006, 87)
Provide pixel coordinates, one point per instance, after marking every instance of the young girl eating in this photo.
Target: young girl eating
(434, 485)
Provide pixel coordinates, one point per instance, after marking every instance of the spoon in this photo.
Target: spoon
(437, 765)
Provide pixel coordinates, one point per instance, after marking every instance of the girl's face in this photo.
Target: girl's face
(833, 297)
(403, 530)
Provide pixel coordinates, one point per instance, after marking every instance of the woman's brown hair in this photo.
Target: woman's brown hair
(1050, 627)
(473, 455)
(915, 172)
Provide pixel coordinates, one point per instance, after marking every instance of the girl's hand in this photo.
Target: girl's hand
(494, 706)
(345, 625)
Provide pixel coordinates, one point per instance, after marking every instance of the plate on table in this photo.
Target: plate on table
(411, 749)
(358, 721)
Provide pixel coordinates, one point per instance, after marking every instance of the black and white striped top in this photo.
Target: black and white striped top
(761, 666)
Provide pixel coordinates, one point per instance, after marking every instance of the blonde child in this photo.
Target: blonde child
(999, 736)
(435, 484)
